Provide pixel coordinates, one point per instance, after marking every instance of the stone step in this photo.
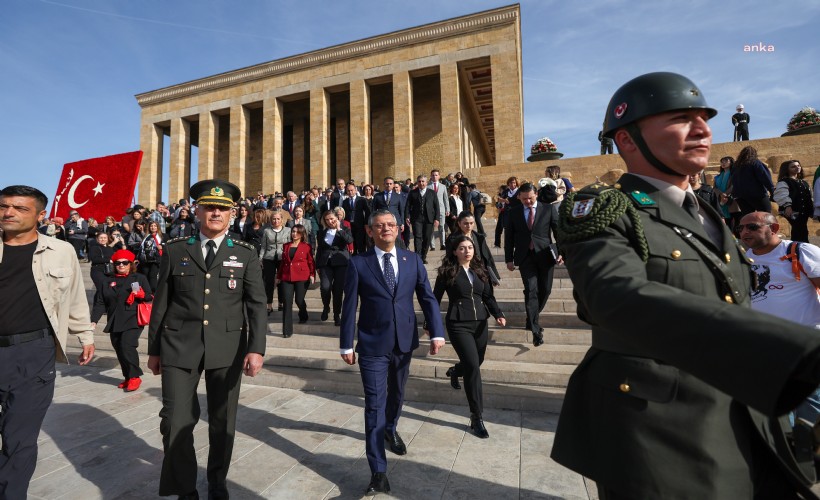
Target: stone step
(508, 304)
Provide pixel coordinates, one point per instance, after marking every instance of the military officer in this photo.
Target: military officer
(672, 399)
(198, 324)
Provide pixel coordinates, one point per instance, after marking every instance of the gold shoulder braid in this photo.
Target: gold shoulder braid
(594, 208)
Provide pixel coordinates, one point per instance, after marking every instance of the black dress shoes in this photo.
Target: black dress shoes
(218, 493)
(337, 320)
(325, 313)
(477, 427)
(537, 340)
(397, 446)
(378, 484)
(451, 372)
(194, 495)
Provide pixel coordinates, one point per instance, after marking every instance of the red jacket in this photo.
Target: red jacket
(300, 268)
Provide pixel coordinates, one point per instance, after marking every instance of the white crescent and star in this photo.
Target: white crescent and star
(73, 202)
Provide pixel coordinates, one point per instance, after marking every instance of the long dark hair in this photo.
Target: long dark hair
(784, 170)
(730, 161)
(449, 263)
(747, 156)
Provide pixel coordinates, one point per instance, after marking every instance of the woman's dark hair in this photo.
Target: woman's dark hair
(463, 215)
(727, 159)
(783, 173)
(449, 263)
(747, 156)
(298, 228)
(453, 188)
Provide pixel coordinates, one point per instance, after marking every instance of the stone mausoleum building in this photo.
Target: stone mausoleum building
(444, 95)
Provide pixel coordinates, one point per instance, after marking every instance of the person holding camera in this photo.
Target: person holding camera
(117, 298)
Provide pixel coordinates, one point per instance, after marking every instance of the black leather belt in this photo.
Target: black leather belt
(19, 338)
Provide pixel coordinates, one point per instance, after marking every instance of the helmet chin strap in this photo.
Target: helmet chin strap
(635, 133)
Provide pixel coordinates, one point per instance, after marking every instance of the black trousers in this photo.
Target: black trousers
(359, 238)
(125, 345)
(800, 229)
(332, 284)
(180, 413)
(478, 213)
(536, 274)
(79, 246)
(499, 228)
(289, 288)
(98, 276)
(469, 339)
(422, 235)
(151, 271)
(269, 269)
(26, 390)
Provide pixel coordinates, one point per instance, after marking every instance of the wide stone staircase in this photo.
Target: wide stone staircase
(515, 374)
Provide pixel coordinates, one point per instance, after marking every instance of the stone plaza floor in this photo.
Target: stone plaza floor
(99, 442)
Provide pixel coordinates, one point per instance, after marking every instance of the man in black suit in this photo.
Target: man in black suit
(422, 214)
(356, 213)
(391, 200)
(528, 245)
(338, 194)
(325, 202)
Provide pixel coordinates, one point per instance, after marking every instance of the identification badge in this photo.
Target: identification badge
(231, 283)
(232, 263)
(582, 208)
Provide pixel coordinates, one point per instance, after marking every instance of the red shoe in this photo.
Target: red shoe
(122, 384)
(133, 384)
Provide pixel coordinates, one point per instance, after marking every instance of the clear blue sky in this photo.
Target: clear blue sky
(71, 68)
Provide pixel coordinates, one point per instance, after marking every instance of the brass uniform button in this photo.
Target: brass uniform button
(207, 291)
(617, 185)
(728, 298)
(206, 307)
(676, 254)
(205, 322)
(728, 258)
(624, 387)
(208, 275)
(182, 274)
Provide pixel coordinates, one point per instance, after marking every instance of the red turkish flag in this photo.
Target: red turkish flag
(98, 187)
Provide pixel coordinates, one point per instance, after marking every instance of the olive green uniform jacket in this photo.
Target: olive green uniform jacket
(200, 313)
(663, 405)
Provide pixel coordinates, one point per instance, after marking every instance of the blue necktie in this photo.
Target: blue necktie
(389, 274)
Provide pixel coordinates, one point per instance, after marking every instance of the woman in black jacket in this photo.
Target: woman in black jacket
(465, 226)
(99, 254)
(117, 298)
(793, 197)
(332, 257)
(471, 301)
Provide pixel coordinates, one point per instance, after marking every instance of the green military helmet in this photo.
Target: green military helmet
(651, 94)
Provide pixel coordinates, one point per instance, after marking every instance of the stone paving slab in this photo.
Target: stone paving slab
(99, 442)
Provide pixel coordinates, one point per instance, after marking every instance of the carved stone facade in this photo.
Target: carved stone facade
(445, 95)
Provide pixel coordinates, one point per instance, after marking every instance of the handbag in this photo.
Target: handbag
(144, 313)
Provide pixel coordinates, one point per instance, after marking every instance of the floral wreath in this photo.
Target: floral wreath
(543, 145)
(806, 117)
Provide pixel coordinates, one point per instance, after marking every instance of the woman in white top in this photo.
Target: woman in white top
(274, 238)
(456, 206)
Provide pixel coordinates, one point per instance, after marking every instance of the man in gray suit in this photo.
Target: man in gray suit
(207, 285)
(440, 190)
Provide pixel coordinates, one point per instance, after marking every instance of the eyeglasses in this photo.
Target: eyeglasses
(388, 225)
(115, 234)
(750, 227)
(122, 263)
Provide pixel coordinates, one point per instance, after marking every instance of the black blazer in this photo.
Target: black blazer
(468, 301)
(415, 203)
(481, 249)
(336, 254)
(110, 300)
(517, 235)
(360, 212)
(396, 207)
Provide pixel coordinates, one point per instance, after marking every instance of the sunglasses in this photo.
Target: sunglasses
(750, 227)
(122, 263)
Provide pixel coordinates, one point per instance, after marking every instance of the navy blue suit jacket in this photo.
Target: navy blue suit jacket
(396, 206)
(385, 319)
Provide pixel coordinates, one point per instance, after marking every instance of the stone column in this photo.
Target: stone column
(360, 168)
(319, 144)
(271, 145)
(208, 137)
(508, 121)
(238, 146)
(179, 164)
(403, 125)
(451, 160)
(150, 180)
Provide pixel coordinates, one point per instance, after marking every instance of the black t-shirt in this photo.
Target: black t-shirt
(21, 309)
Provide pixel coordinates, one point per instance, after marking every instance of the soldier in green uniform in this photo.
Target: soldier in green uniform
(677, 395)
(208, 315)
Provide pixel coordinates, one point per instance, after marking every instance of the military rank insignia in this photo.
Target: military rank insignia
(642, 198)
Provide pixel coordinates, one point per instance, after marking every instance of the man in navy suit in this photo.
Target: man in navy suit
(393, 201)
(385, 278)
(356, 213)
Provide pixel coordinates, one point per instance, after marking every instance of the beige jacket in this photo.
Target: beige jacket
(60, 284)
